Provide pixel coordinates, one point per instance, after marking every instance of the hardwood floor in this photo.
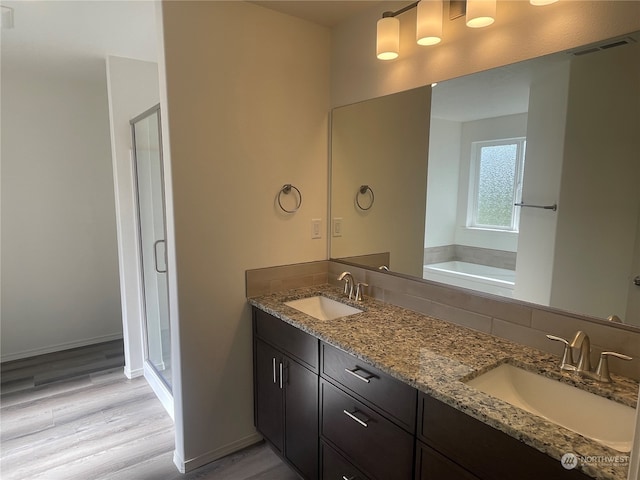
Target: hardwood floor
(75, 415)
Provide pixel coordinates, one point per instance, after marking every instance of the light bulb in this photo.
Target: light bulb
(480, 13)
(429, 22)
(388, 38)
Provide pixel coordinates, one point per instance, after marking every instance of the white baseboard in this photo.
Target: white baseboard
(130, 374)
(59, 347)
(178, 462)
(218, 453)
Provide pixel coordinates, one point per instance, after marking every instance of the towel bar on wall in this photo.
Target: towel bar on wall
(286, 189)
(553, 207)
(361, 191)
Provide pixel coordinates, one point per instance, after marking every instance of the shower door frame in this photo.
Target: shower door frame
(156, 379)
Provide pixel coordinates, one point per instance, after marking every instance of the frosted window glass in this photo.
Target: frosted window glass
(496, 185)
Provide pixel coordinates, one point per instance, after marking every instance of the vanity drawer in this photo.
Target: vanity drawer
(336, 467)
(300, 345)
(374, 444)
(395, 398)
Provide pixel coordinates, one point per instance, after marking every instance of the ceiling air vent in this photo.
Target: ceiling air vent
(603, 46)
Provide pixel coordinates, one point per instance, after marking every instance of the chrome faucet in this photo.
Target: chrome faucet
(581, 340)
(348, 283)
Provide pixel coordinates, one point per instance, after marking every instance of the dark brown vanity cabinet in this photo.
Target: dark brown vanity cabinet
(452, 444)
(286, 391)
(367, 420)
(335, 417)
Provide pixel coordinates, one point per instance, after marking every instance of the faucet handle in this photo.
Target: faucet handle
(602, 371)
(567, 355)
(558, 339)
(359, 289)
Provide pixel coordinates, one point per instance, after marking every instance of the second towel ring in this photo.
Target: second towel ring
(286, 189)
(361, 191)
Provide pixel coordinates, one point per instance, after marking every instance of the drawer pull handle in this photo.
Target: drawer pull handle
(275, 375)
(344, 477)
(281, 375)
(359, 377)
(353, 417)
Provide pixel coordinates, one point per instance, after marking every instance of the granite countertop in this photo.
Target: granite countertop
(434, 356)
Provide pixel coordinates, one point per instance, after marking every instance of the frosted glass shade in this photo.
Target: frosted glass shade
(388, 38)
(429, 22)
(538, 3)
(480, 13)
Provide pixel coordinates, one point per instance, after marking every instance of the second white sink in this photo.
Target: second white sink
(590, 415)
(322, 308)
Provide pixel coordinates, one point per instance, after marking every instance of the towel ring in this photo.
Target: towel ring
(286, 189)
(361, 191)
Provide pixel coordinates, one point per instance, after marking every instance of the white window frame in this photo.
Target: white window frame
(474, 181)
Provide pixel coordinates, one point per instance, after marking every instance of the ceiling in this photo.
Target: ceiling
(324, 12)
(74, 37)
(490, 93)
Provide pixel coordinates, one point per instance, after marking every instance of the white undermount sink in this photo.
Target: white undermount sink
(322, 308)
(592, 416)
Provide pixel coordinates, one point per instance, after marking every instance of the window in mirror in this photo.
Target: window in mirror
(496, 184)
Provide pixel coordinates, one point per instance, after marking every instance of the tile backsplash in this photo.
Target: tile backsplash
(516, 321)
(262, 281)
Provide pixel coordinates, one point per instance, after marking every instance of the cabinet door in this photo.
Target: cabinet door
(269, 394)
(430, 465)
(301, 419)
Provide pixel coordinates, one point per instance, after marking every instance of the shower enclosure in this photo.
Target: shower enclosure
(147, 160)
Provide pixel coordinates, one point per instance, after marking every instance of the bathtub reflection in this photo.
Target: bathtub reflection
(498, 281)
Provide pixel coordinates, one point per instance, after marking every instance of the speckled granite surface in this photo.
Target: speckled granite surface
(434, 356)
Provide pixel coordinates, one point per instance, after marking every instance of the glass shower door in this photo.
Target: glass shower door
(151, 223)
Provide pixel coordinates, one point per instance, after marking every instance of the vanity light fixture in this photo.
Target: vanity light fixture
(480, 13)
(539, 3)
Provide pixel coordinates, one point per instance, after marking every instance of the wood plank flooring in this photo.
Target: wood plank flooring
(75, 418)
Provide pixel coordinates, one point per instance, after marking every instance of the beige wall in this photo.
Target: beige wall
(541, 184)
(521, 31)
(600, 191)
(59, 255)
(248, 103)
(382, 143)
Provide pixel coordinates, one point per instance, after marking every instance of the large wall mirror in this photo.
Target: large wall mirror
(426, 182)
